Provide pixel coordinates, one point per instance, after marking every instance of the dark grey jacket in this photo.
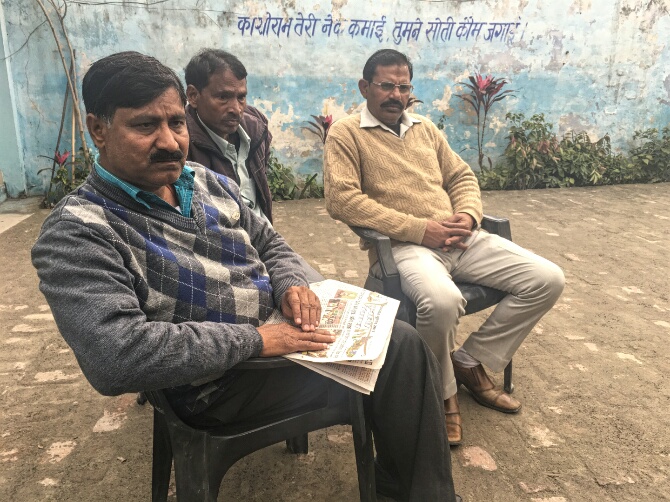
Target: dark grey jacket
(148, 299)
(203, 150)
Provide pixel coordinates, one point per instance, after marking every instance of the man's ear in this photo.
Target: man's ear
(192, 94)
(363, 86)
(97, 128)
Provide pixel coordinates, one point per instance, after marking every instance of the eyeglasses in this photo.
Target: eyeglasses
(389, 86)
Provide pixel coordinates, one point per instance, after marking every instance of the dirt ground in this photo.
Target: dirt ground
(595, 423)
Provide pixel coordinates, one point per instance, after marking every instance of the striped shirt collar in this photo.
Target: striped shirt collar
(183, 186)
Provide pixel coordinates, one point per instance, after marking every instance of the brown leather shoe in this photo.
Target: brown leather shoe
(482, 389)
(452, 418)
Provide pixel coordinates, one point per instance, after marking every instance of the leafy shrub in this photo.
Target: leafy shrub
(529, 158)
(311, 188)
(535, 158)
(284, 185)
(650, 157)
(280, 179)
(583, 162)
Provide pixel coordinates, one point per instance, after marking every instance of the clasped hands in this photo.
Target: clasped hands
(300, 304)
(450, 233)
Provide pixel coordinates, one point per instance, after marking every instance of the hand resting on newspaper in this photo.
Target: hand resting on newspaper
(300, 304)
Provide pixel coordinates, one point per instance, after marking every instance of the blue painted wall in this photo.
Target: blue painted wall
(12, 174)
(597, 65)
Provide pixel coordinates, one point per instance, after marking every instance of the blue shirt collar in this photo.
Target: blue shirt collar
(183, 186)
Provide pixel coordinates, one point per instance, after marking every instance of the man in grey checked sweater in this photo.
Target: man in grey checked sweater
(160, 278)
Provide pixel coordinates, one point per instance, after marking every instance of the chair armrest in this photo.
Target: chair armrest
(263, 363)
(498, 226)
(382, 243)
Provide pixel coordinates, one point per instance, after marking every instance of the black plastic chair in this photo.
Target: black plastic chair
(388, 282)
(203, 456)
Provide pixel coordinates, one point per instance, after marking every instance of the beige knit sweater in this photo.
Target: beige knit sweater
(395, 185)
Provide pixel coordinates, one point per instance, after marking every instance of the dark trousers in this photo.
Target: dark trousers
(407, 411)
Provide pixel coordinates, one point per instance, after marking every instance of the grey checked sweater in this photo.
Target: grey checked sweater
(149, 299)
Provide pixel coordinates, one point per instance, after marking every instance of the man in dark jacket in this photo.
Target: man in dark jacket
(227, 135)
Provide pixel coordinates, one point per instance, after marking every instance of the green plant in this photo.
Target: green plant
(284, 185)
(650, 157)
(311, 189)
(583, 162)
(621, 170)
(535, 158)
(280, 179)
(65, 177)
(528, 158)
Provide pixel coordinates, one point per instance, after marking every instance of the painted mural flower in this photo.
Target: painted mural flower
(319, 126)
(484, 92)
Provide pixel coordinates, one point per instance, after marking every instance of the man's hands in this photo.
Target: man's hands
(450, 233)
(281, 339)
(303, 306)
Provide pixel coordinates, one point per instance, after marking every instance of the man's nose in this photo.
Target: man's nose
(165, 139)
(238, 107)
(395, 93)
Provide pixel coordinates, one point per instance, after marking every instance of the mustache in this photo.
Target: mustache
(393, 102)
(166, 155)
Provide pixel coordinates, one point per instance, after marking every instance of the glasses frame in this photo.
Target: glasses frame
(381, 85)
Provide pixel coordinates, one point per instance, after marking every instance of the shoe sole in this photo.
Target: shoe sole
(488, 405)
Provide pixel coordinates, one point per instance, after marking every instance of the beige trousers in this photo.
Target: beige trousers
(427, 278)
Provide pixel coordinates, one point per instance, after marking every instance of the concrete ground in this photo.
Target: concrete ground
(591, 376)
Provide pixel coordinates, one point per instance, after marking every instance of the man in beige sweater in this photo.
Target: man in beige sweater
(394, 172)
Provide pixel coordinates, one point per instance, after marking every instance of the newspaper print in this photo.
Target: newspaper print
(360, 379)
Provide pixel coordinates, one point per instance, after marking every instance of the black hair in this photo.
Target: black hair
(385, 57)
(126, 80)
(209, 61)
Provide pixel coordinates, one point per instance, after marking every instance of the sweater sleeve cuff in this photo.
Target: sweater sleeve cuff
(416, 229)
(257, 344)
(280, 288)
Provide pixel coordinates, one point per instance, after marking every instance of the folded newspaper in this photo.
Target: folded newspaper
(361, 321)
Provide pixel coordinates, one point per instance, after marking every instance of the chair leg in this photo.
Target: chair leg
(194, 479)
(162, 460)
(298, 444)
(508, 386)
(360, 427)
